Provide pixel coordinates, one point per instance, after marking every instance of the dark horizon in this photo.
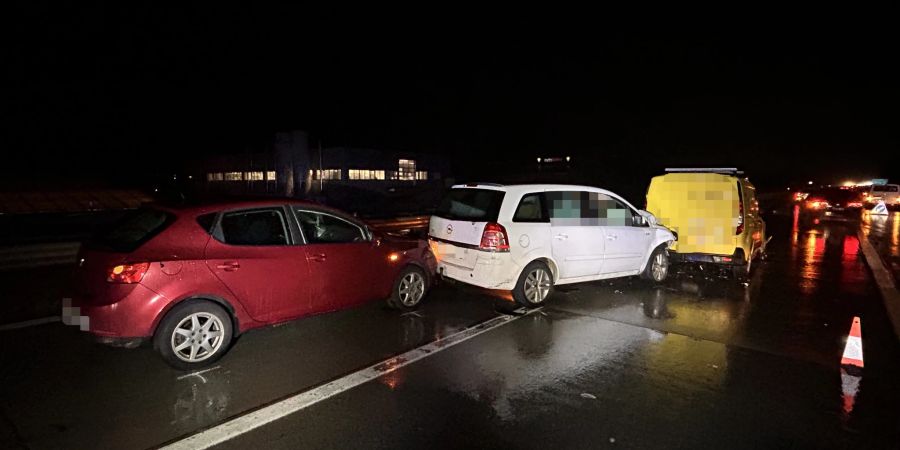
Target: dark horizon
(124, 93)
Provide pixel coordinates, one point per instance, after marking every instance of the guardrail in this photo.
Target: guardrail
(38, 255)
(63, 253)
(400, 224)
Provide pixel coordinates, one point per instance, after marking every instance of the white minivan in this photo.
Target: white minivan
(528, 238)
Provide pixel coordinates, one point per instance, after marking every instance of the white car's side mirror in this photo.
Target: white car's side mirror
(650, 219)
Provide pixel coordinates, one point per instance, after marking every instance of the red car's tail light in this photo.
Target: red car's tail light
(127, 273)
(494, 238)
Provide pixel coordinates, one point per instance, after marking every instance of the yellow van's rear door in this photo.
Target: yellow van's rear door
(703, 208)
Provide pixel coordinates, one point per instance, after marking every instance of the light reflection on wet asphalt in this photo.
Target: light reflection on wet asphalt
(884, 233)
(695, 363)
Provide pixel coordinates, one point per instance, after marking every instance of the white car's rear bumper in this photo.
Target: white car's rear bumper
(491, 270)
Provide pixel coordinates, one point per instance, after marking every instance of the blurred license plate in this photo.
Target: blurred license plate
(827, 213)
(441, 249)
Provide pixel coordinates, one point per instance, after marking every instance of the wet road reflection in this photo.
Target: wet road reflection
(883, 232)
(201, 399)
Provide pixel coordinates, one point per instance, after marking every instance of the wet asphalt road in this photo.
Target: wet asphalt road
(697, 363)
(884, 233)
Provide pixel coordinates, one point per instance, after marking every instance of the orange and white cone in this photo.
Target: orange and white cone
(853, 352)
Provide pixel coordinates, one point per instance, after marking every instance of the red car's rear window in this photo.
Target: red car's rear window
(135, 228)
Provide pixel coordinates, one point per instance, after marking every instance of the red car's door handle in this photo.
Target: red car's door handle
(229, 266)
(318, 257)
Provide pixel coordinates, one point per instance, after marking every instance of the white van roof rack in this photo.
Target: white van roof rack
(723, 170)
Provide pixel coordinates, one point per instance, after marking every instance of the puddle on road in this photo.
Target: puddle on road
(200, 399)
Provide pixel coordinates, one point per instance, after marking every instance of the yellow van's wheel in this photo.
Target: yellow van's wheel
(657, 268)
(742, 272)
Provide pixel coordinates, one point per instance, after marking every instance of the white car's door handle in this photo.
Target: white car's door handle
(561, 236)
(646, 233)
(611, 237)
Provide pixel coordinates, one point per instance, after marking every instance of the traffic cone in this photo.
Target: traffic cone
(853, 353)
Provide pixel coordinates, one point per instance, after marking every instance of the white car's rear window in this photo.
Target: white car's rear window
(477, 205)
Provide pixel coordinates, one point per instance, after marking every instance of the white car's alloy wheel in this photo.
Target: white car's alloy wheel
(660, 267)
(537, 285)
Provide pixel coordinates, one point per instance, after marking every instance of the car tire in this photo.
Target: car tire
(409, 289)
(657, 268)
(534, 286)
(194, 334)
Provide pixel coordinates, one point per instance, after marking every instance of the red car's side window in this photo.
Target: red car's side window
(254, 227)
(320, 228)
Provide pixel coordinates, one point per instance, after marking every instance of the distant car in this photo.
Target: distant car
(191, 279)
(529, 238)
(714, 213)
(888, 193)
(832, 204)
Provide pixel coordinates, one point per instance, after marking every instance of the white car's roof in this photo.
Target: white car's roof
(524, 188)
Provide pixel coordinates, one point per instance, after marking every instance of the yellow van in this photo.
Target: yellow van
(715, 215)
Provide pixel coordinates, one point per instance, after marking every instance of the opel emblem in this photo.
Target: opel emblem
(449, 228)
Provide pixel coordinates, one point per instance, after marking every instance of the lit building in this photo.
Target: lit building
(361, 180)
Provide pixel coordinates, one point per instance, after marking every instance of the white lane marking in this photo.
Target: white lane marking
(248, 422)
(885, 281)
(29, 323)
(197, 373)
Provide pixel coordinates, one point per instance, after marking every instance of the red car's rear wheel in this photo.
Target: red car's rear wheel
(194, 334)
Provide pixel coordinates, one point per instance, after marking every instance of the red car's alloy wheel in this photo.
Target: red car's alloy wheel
(197, 337)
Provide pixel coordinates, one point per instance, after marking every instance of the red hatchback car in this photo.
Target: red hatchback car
(193, 278)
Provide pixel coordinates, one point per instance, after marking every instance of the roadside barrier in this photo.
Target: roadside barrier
(400, 224)
(38, 255)
(885, 281)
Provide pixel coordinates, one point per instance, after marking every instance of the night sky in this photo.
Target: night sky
(113, 94)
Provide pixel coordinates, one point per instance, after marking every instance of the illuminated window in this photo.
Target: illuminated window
(254, 176)
(365, 174)
(421, 175)
(214, 176)
(270, 175)
(393, 175)
(234, 176)
(407, 169)
(326, 174)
